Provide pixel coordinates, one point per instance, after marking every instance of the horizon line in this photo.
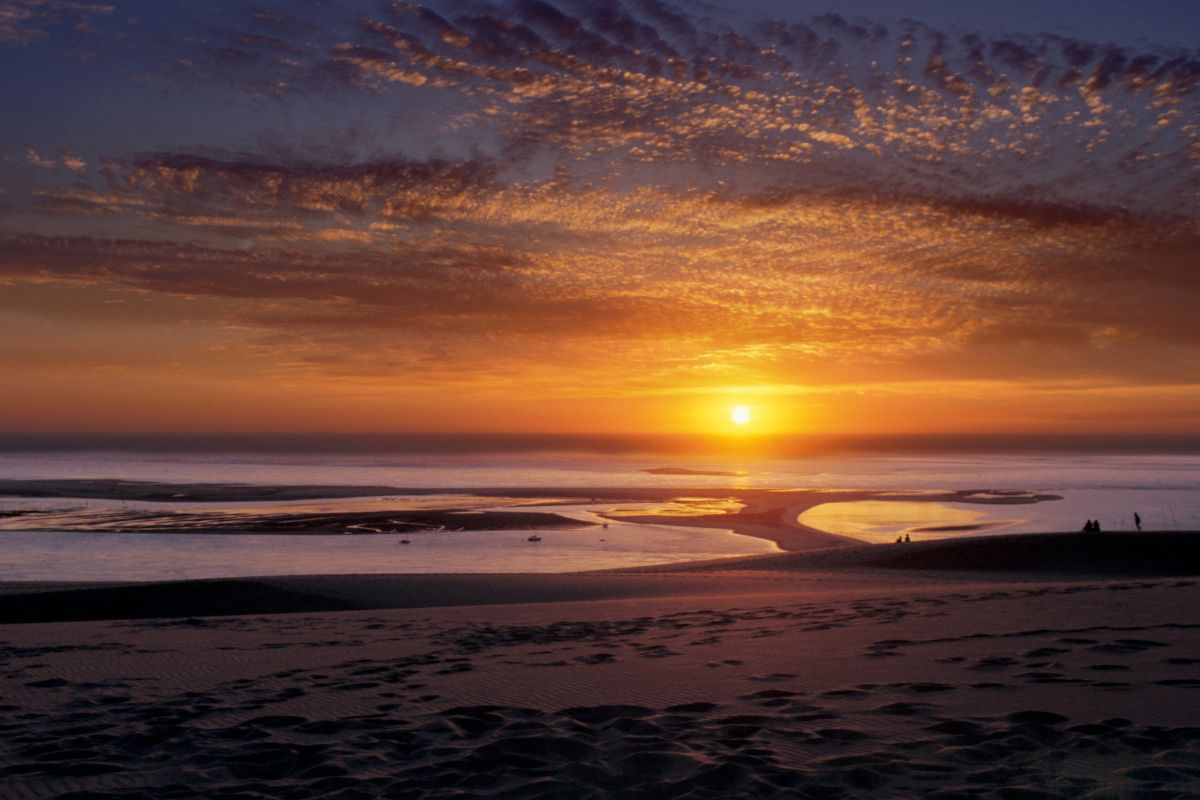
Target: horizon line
(465, 443)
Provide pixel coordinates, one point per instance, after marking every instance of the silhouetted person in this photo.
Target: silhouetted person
(1137, 520)
(1096, 526)
(899, 540)
(1087, 526)
(907, 538)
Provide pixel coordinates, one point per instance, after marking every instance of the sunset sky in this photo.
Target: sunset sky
(600, 217)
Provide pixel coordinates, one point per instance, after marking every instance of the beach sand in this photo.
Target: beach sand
(998, 667)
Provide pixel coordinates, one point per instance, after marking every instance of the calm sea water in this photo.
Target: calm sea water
(1051, 472)
(1164, 490)
(89, 556)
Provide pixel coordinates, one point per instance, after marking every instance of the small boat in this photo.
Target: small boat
(405, 541)
(534, 538)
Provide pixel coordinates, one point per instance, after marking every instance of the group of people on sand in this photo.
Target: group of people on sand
(1093, 525)
(903, 539)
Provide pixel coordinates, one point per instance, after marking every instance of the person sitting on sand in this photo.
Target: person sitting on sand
(1137, 520)
(899, 540)
(1095, 526)
(907, 538)
(1087, 526)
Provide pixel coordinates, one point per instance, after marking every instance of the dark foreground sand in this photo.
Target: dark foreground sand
(875, 672)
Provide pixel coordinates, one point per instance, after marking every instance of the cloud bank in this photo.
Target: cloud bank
(713, 200)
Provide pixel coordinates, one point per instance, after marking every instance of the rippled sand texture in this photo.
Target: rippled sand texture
(949, 690)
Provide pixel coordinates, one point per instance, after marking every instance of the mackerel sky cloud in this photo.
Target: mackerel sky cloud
(407, 211)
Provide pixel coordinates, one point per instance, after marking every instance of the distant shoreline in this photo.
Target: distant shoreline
(687, 471)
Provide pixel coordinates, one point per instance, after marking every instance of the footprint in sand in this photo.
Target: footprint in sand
(596, 658)
(1126, 646)
(774, 677)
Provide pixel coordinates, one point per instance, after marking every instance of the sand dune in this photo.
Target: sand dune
(1048, 556)
(1015, 690)
(1127, 554)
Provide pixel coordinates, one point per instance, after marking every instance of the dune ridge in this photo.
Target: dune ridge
(1036, 556)
(943, 689)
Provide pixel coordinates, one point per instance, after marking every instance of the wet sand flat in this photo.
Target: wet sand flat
(765, 513)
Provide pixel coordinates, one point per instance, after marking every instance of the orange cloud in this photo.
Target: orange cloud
(622, 204)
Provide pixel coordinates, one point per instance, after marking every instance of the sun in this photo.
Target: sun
(740, 415)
